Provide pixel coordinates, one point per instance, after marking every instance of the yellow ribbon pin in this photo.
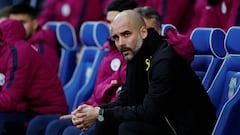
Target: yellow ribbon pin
(147, 61)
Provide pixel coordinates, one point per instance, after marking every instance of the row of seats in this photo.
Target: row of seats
(67, 39)
(217, 63)
(78, 75)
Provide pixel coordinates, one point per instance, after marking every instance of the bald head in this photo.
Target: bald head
(128, 30)
(133, 17)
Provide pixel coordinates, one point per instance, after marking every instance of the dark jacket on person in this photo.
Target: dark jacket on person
(161, 88)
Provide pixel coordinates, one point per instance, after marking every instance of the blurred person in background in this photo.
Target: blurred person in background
(180, 42)
(42, 38)
(216, 13)
(71, 11)
(178, 13)
(151, 17)
(28, 85)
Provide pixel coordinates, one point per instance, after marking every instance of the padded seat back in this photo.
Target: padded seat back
(92, 35)
(66, 37)
(209, 53)
(227, 79)
(225, 94)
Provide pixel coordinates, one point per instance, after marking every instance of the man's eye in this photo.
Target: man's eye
(22, 21)
(108, 21)
(115, 38)
(126, 34)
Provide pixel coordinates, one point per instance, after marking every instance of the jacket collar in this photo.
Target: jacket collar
(150, 43)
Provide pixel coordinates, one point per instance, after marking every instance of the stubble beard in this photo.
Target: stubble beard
(134, 52)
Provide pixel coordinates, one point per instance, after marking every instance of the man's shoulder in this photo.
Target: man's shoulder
(165, 51)
(45, 36)
(44, 31)
(164, 47)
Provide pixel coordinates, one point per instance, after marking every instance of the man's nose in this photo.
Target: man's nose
(121, 41)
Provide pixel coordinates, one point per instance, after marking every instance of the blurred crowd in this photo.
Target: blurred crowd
(185, 15)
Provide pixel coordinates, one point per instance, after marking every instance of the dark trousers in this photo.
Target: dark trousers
(73, 130)
(38, 125)
(57, 127)
(12, 123)
(132, 128)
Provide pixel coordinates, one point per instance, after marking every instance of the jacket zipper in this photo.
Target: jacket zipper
(170, 125)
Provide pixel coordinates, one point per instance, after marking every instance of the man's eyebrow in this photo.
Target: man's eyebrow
(121, 34)
(125, 32)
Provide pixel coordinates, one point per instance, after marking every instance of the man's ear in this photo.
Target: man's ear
(35, 24)
(144, 32)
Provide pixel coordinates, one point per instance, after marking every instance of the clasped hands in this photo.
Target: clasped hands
(83, 117)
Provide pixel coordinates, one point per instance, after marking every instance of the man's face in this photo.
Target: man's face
(127, 38)
(29, 24)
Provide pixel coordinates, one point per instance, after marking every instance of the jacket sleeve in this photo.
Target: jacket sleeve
(105, 91)
(16, 81)
(154, 103)
(121, 100)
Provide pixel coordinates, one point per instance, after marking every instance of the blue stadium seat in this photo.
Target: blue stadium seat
(209, 53)
(93, 35)
(165, 28)
(228, 122)
(66, 37)
(225, 92)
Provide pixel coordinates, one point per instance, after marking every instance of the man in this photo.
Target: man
(161, 95)
(43, 39)
(28, 86)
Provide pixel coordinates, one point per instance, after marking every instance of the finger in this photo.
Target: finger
(86, 126)
(78, 121)
(74, 112)
(81, 107)
(80, 115)
(64, 117)
(84, 129)
(73, 121)
(81, 126)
